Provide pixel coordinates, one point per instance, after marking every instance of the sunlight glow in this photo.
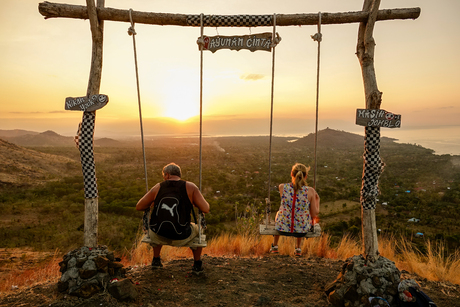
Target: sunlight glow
(182, 96)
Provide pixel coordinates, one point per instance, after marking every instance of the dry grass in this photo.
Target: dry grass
(434, 265)
(46, 272)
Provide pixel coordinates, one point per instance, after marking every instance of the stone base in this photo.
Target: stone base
(360, 280)
(87, 271)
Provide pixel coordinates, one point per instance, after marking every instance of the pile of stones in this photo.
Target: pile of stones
(361, 280)
(87, 271)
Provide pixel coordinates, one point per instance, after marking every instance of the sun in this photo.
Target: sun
(181, 96)
(181, 107)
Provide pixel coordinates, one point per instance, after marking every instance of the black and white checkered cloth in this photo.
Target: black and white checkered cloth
(85, 142)
(230, 20)
(373, 167)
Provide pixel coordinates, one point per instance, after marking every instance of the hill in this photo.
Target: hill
(107, 142)
(47, 138)
(330, 138)
(22, 166)
(14, 133)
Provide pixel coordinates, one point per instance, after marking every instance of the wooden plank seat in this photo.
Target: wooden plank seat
(270, 230)
(194, 243)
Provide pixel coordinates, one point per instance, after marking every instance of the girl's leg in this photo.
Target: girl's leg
(276, 238)
(297, 242)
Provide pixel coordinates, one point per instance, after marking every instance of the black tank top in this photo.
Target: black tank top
(177, 225)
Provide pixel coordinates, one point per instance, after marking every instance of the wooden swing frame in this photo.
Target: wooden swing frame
(97, 13)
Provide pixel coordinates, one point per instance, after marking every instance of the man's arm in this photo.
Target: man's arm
(147, 200)
(196, 197)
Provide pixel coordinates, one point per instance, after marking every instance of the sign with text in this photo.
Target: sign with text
(92, 103)
(377, 118)
(253, 42)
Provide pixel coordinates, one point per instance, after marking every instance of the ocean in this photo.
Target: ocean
(443, 140)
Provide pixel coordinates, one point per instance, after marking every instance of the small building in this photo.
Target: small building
(419, 235)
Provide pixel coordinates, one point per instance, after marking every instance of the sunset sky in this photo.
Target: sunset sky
(44, 61)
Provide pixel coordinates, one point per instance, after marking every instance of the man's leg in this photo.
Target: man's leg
(197, 268)
(156, 261)
(197, 253)
(157, 251)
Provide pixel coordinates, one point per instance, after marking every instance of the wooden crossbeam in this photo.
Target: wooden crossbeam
(55, 10)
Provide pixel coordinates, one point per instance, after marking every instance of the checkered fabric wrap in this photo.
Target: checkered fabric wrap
(230, 20)
(86, 154)
(373, 167)
(146, 220)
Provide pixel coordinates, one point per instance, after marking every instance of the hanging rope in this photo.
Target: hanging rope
(200, 214)
(317, 37)
(132, 32)
(275, 40)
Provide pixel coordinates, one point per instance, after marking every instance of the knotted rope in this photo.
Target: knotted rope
(318, 37)
(275, 40)
(132, 32)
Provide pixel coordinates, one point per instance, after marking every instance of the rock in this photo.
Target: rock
(81, 261)
(85, 274)
(87, 290)
(115, 265)
(336, 299)
(101, 262)
(63, 286)
(110, 256)
(72, 272)
(72, 262)
(263, 300)
(123, 290)
(351, 294)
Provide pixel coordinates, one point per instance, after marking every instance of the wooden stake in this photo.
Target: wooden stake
(94, 84)
(365, 52)
(54, 10)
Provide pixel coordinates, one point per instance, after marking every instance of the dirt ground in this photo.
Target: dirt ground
(273, 280)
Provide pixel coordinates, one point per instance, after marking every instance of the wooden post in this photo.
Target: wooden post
(372, 163)
(87, 128)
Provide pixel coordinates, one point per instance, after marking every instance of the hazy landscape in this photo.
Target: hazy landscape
(42, 201)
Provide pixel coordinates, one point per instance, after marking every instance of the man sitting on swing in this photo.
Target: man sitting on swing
(173, 201)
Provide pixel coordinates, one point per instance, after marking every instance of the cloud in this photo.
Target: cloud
(252, 77)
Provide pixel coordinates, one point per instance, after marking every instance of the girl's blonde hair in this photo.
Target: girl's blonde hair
(299, 174)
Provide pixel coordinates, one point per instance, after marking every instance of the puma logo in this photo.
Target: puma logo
(164, 206)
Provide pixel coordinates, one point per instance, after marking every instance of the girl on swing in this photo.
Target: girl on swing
(299, 206)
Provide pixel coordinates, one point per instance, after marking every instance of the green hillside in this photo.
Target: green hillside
(415, 183)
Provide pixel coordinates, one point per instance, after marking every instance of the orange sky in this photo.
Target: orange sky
(45, 61)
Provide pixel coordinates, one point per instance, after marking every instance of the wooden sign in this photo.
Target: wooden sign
(261, 41)
(93, 103)
(377, 118)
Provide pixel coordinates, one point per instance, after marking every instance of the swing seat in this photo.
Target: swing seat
(270, 230)
(195, 242)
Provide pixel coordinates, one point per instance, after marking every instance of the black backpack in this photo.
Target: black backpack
(421, 299)
(171, 218)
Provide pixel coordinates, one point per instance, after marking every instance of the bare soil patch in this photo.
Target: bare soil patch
(265, 281)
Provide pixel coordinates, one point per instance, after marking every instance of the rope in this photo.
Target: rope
(317, 37)
(275, 40)
(201, 44)
(133, 33)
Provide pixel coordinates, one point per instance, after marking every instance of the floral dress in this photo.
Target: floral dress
(294, 213)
